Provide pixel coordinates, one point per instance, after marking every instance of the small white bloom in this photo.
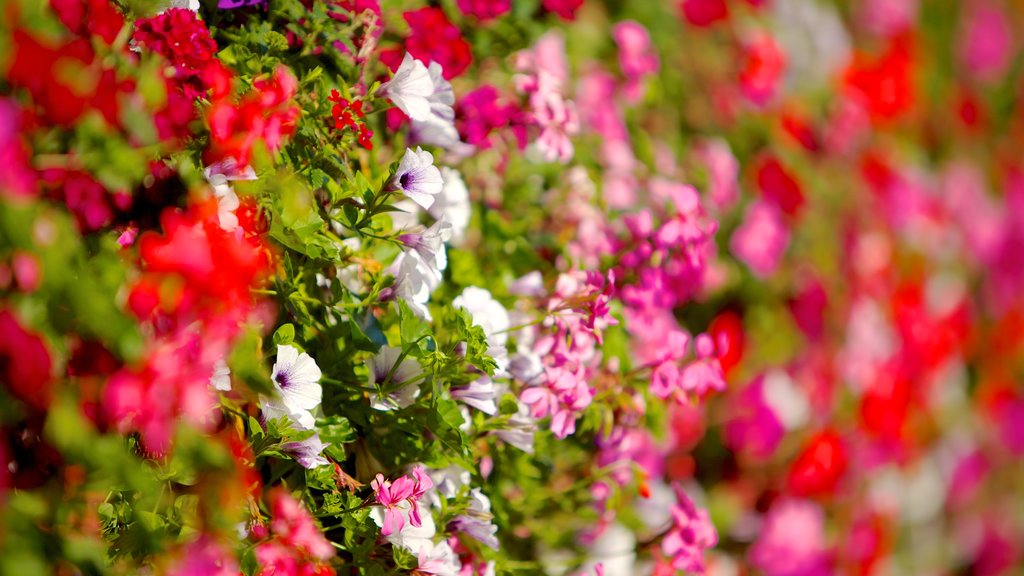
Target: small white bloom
(438, 559)
(438, 128)
(452, 204)
(412, 538)
(221, 377)
(415, 279)
(417, 177)
(297, 380)
(480, 394)
(308, 452)
(429, 244)
(387, 371)
(492, 317)
(411, 88)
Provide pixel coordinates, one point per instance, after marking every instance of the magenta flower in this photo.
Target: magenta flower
(691, 533)
(396, 496)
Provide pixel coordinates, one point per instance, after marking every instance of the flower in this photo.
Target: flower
(411, 88)
(491, 316)
(415, 279)
(432, 37)
(452, 204)
(477, 521)
(417, 177)
(691, 533)
(438, 559)
(484, 10)
(221, 377)
(396, 377)
(429, 244)
(761, 239)
(439, 125)
(296, 378)
(792, 541)
(480, 394)
(403, 490)
(308, 452)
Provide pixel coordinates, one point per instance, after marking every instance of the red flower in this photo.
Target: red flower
(90, 17)
(433, 37)
(819, 467)
(704, 13)
(485, 9)
(25, 363)
(885, 84)
(777, 185)
(565, 9)
(763, 64)
(727, 331)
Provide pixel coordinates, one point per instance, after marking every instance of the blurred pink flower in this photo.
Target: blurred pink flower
(761, 239)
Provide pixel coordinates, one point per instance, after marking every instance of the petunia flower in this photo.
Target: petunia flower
(429, 244)
(221, 377)
(417, 177)
(296, 378)
(415, 279)
(308, 452)
(452, 204)
(388, 372)
(411, 89)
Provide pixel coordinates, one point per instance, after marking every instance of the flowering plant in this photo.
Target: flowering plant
(484, 287)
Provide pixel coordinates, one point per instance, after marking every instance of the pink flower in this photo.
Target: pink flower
(637, 57)
(761, 240)
(691, 533)
(484, 10)
(723, 172)
(393, 496)
(704, 373)
(565, 9)
(205, 557)
(754, 428)
(792, 541)
(986, 46)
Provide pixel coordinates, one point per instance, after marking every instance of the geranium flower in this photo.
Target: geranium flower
(417, 177)
(411, 89)
(296, 378)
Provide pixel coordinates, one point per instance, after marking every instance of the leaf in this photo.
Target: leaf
(284, 335)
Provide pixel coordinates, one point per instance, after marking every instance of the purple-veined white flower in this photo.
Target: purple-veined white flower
(417, 177)
(387, 372)
(429, 244)
(477, 521)
(296, 379)
(221, 377)
(480, 394)
(411, 89)
(308, 452)
(452, 204)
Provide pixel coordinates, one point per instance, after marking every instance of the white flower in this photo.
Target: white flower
(221, 377)
(412, 538)
(429, 244)
(411, 88)
(438, 559)
(480, 394)
(452, 204)
(438, 128)
(415, 279)
(492, 317)
(297, 380)
(417, 177)
(308, 452)
(388, 372)
(227, 203)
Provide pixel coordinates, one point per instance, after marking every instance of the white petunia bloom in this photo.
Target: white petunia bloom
(415, 279)
(387, 371)
(417, 177)
(438, 559)
(221, 377)
(452, 204)
(411, 89)
(297, 380)
(308, 452)
(438, 128)
(429, 244)
(492, 317)
(480, 394)
(412, 538)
